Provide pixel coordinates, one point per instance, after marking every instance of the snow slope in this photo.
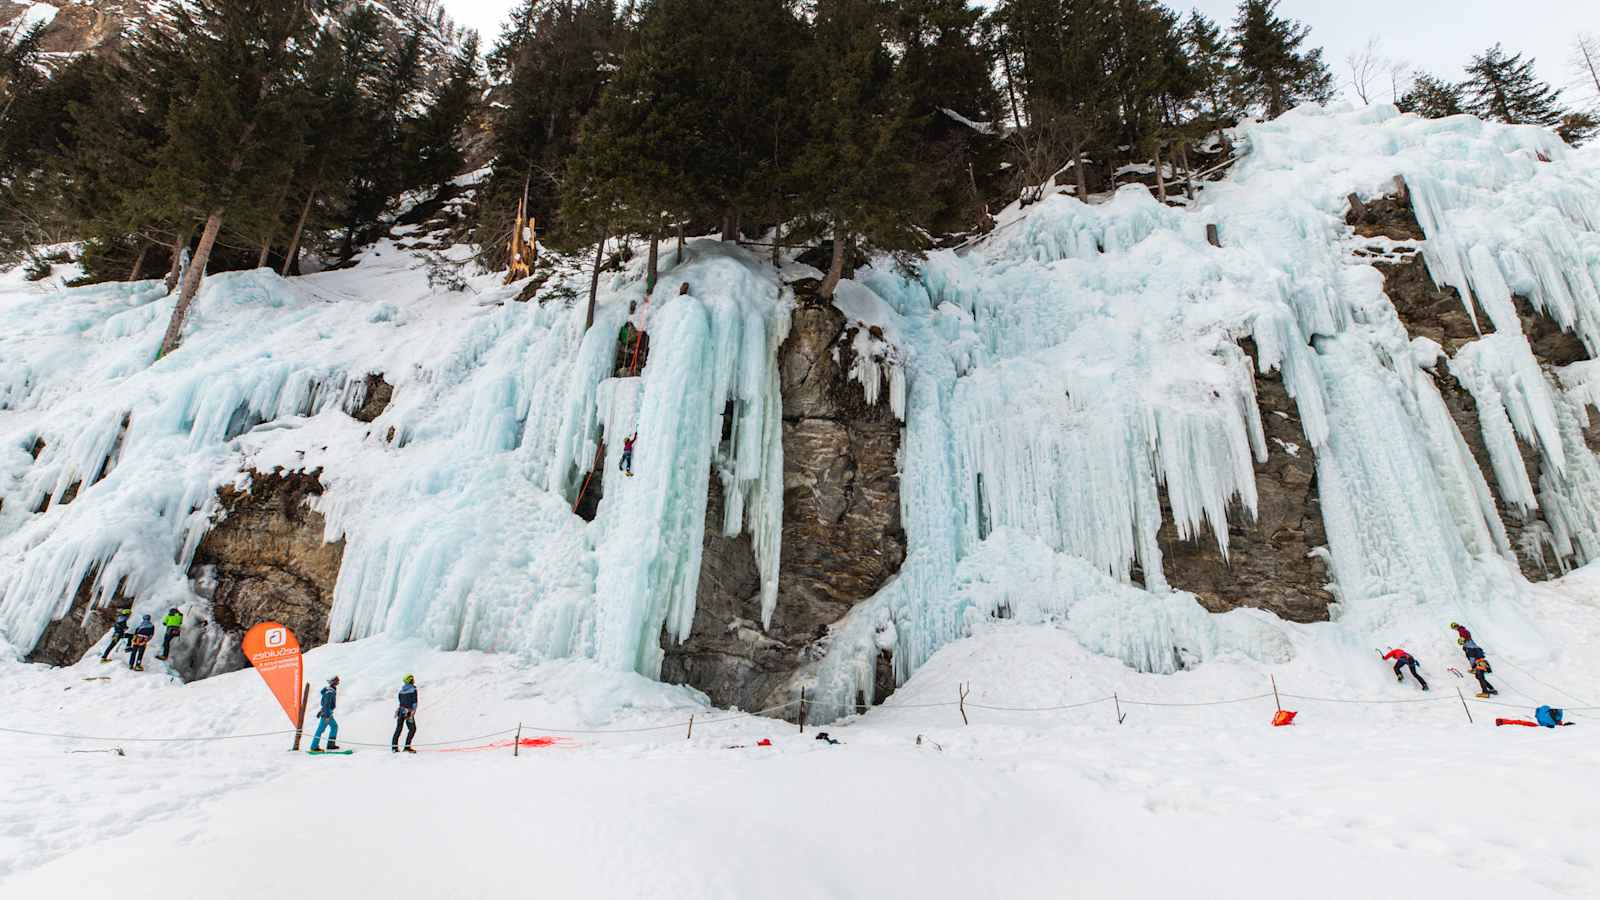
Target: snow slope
(1393, 797)
(1080, 359)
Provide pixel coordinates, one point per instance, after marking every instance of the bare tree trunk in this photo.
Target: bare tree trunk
(594, 279)
(1161, 176)
(138, 262)
(293, 253)
(835, 268)
(191, 283)
(777, 243)
(1011, 88)
(1077, 170)
(178, 245)
(272, 230)
(1586, 48)
(1188, 173)
(651, 263)
(730, 224)
(680, 243)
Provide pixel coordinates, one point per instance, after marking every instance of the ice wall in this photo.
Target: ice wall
(1066, 384)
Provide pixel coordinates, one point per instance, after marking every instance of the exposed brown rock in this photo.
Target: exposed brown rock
(842, 537)
(378, 394)
(265, 559)
(1269, 564)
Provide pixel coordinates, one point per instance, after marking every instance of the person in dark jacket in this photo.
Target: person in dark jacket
(1480, 668)
(325, 720)
(1471, 649)
(1402, 660)
(119, 632)
(405, 715)
(141, 639)
(173, 624)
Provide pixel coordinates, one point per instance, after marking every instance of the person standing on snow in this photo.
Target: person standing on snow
(140, 640)
(119, 632)
(626, 463)
(1471, 649)
(405, 715)
(1403, 660)
(1462, 632)
(1480, 668)
(325, 720)
(173, 623)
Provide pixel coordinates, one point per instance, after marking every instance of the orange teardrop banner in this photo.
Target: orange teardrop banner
(275, 653)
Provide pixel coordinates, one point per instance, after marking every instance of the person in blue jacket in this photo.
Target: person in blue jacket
(405, 715)
(1550, 718)
(119, 632)
(138, 642)
(325, 720)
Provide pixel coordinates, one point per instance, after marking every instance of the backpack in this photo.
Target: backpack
(1481, 664)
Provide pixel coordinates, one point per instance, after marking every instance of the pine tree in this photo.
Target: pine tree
(1432, 98)
(947, 73)
(553, 60)
(380, 170)
(858, 178)
(1504, 89)
(434, 139)
(1211, 61)
(229, 146)
(1272, 73)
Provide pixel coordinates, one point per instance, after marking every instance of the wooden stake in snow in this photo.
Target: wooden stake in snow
(963, 690)
(300, 720)
(1212, 237)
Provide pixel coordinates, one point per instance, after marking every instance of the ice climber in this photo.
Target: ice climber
(1471, 649)
(1480, 668)
(626, 462)
(405, 715)
(119, 632)
(325, 720)
(140, 640)
(1461, 630)
(1404, 660)
(173, 623)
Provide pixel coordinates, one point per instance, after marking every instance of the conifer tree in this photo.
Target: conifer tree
(1504, 89)
(1432, 98)
(1272, 72)
(434, 139)
(230, 144)
(1210, 58)
(380, 170)
(554, 60)
(857, 171)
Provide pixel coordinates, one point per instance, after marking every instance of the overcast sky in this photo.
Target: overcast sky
(1436, 35)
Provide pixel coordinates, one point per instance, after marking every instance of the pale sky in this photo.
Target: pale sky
(1436, 35)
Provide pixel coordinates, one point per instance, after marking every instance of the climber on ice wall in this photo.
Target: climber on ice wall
(625, 464)
(1402, 660)
(1480, 668)
(138, 643)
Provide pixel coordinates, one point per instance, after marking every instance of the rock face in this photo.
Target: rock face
(1270, 564)
(265, 559)
(842, 537)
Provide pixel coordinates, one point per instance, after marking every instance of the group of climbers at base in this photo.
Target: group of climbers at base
(139, 638)
(405, 717)
(1476, 662)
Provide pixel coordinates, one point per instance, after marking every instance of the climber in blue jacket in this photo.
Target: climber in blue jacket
(325, 720)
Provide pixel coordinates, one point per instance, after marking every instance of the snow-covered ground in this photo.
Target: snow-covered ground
(1390, 798)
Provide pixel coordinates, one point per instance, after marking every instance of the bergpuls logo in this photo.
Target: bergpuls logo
(276, 637)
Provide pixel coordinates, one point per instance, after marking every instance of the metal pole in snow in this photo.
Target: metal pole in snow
(802, 710)
(516, 742)
(1276, 702)
(690, 735)
(1464, 705)
(1118, 703)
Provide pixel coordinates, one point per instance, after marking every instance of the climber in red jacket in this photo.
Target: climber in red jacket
(1403, 660)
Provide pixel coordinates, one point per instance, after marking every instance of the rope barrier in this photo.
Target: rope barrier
(85, 737)
(771, 709)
